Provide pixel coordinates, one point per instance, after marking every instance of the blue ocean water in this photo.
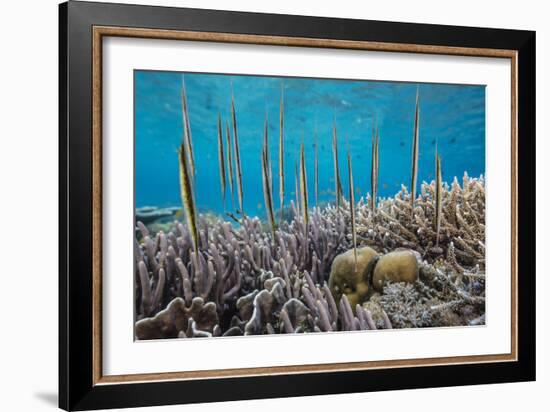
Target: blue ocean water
(453, 116)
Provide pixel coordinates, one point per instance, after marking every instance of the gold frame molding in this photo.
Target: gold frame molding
(103, 31)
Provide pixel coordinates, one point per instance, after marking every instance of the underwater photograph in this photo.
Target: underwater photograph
(280, 205)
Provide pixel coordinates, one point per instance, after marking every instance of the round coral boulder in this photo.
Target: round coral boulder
(346, 278)
(397, 266)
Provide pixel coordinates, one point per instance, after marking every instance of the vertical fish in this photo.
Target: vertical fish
(303, 188)
(438, 198)
(188, 141)
(238, 169)
(377, 161)
(229, 158)
(414, 173)
(338, 184)
(352, 210)
(187, 197)
(221, 156)
(297, 187)
(266, 148)
(281, 152)
(267, 185)
(316, 171)
(374, 168)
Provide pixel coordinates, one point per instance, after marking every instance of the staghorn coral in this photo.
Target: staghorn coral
(418, 305)
(248, 280)
(463, 222)
(405, 305)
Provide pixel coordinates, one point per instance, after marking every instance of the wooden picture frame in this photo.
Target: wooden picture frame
(82, 28)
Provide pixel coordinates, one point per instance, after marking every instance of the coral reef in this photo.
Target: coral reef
(248, 279)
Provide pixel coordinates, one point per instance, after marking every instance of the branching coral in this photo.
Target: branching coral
(168, 323)
(463, 222)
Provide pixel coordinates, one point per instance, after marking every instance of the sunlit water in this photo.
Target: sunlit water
(451, 116)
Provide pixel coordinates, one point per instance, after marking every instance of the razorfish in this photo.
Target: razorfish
(352, 210)
(438, 198)
(221, 157)
(281, 153)
(303, 188)
(187, 197)
(188, 141)
(337, 182)
(238, 169)
(374, 168)
(316, 173)
(229, 158)
(267, 186)
(414, 173)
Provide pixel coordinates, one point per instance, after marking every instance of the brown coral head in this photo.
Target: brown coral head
(397, 266)
(346, 278)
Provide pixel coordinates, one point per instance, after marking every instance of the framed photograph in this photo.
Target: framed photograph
(257, 205)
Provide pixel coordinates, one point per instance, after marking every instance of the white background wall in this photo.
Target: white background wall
(28, 202)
